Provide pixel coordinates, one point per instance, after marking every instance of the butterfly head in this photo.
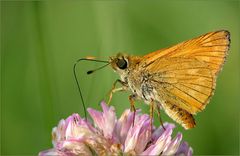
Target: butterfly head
(119, 63)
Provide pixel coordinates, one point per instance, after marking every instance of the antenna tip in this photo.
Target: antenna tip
(90, 72)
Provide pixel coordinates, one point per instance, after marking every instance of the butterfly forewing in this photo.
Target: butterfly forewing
(210, 48)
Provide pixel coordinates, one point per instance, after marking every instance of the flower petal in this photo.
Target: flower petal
(109, 117)
(134, 131)
(76, 148)
(76, 126)
(104, 121)
(144, 137)
(160, 144)
(51, 152)
(184, 149)
(173, 146)
(159, 131)
(97, 117)
(58, 133)
(123, 125)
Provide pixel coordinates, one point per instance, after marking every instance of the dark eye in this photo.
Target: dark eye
(122, 64)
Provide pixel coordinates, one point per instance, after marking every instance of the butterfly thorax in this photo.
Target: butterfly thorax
(139, 84)
(134, 77)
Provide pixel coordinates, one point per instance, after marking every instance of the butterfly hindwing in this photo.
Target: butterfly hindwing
(186, 83)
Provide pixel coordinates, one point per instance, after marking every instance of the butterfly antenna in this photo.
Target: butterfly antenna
(89, 72)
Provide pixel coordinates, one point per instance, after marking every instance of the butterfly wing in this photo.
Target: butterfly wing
(184, 82)
(210, 48)
(185, 74)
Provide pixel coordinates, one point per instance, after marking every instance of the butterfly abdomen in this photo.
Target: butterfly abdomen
(179, 115)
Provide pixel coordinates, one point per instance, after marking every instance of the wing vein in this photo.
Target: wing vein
(185, 93)
(224, 45)
(213, 40)
(179, 90)
(200, 85)
(218, 51)
(210, 56)
(193, 89)
(187, 75)
(185, 69)
(214, 33)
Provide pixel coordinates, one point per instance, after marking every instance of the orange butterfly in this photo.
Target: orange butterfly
(180, 79)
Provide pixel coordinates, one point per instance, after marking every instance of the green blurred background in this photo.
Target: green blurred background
(40, 41)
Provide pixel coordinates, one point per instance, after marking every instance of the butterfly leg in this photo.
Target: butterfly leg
(114, 89)
(132, 99)
(151, 114)
(159, 116)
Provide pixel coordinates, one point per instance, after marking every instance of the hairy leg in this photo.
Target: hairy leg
(159, 115)
(132, 99)
(114, 89)
(151, 114)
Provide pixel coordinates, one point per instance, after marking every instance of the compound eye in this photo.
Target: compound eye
(122, 64)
